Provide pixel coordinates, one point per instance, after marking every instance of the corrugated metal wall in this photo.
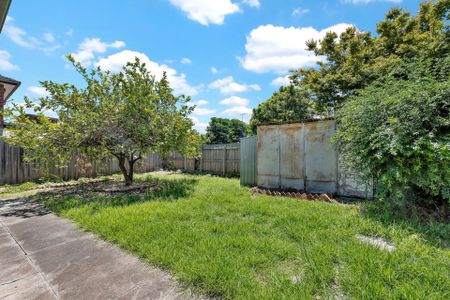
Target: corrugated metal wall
(301, 156)
(320, 157)
(248, 161)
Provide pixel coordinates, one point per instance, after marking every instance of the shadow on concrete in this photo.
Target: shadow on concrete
(22, 208)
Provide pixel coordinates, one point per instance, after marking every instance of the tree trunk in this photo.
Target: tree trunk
(126, 174)
(131, 171)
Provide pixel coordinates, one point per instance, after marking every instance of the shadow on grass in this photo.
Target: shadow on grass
(157, 190)
(435, 231)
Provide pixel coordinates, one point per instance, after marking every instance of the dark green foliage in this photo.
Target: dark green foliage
(397, 131)
(287, 104)
(390, 95)
(224, 131)
(355, 59)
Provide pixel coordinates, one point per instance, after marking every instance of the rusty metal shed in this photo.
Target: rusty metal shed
(301, 156)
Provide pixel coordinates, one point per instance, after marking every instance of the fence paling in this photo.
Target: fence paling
(216, 159)
(220, 159)
(13, 169)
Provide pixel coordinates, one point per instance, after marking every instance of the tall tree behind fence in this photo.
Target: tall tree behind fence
(222, 159)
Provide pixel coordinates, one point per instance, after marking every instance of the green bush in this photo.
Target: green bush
(170, 166)
(397, 132)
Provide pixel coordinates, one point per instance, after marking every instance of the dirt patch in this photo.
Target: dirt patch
(337, 292)
(377, 242)
(118, 187)
(110, 188)
(292, 269)
(261, 279)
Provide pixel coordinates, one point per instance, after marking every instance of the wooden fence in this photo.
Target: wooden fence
(222, 159)
(216, 159)
(13, 169)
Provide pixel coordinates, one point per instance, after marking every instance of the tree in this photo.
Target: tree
(397, 131)
(355, 59)
(123, 115)
(224, 131)
(287, 104)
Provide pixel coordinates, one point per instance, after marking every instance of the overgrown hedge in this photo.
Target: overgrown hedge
(397, 132)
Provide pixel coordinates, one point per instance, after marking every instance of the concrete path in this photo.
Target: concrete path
(45, 257)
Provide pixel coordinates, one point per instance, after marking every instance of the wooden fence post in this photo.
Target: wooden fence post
(201, 159)
(224, 162)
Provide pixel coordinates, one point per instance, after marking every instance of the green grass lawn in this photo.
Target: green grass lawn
(218, 239)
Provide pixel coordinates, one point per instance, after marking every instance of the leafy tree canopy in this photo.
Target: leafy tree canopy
(355, 58)
(397, 131)
(123, 115)
(223, 131)
(287, 104)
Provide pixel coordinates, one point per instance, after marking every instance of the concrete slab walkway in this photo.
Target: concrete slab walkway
(45, 257)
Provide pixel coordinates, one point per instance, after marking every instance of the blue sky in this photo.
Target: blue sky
(228, 55)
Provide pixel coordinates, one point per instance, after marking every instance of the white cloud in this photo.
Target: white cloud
(255, 87)
(178, 82)
(368, 1)
(186, 61)
(238, 111)
(278, 49)
(207, 12)
(240, 108)
(252, 3)
(49, 37)
(227, 85)
(300, 11)
(235, 100)
(214, 70)
(199, 110)
(87, 49)
(20, 37)
(202, 111)
(281, 81)
(50, 49)
(199, 102)
(5, 62)
(38, 91)
(198, 125)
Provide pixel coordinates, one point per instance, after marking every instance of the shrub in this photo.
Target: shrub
(397, 132)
